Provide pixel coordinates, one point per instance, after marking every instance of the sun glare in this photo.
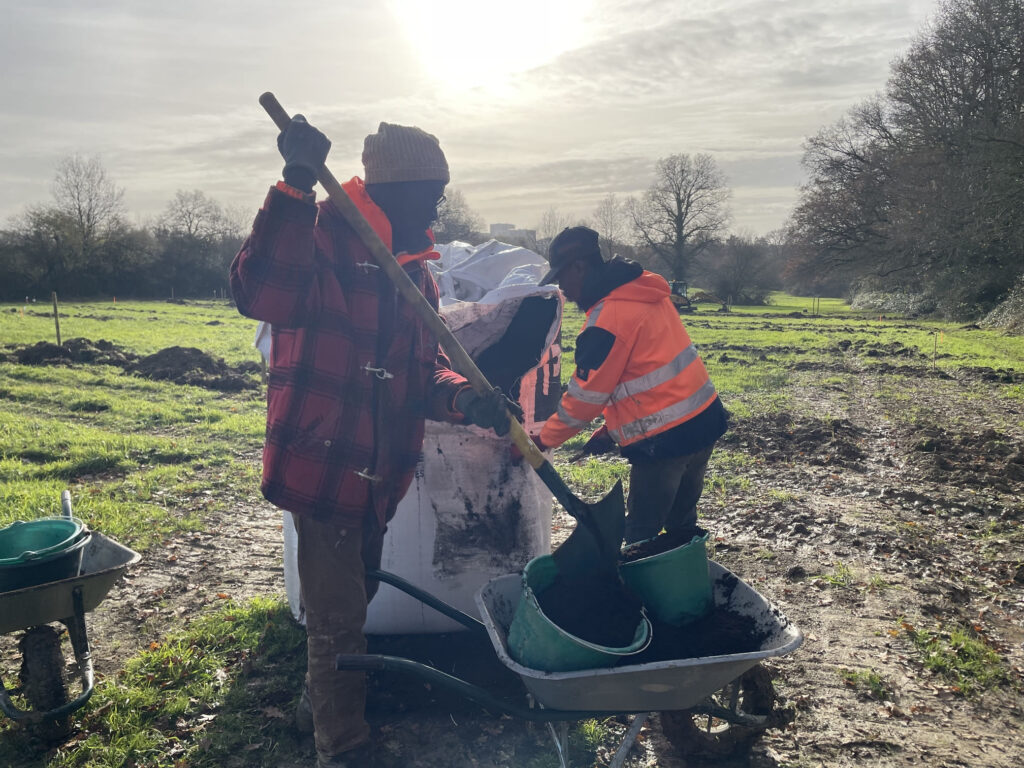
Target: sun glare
(468, 43)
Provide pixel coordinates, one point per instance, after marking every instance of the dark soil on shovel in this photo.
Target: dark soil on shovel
(594, 607)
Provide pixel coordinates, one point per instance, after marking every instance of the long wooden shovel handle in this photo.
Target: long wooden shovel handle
(386, 261)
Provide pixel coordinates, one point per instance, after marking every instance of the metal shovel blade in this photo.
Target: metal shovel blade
(595, 543)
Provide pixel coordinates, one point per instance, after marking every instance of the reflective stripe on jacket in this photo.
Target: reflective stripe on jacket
(650, 381)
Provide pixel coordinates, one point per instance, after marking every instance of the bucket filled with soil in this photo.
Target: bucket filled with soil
(669, 574)
(566, 622)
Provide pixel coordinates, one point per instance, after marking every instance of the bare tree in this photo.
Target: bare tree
(89, 203)
(456, 220)
(194, 215)
(196, 241)
(610, 221)
(552, 221)
(738, 269)
(683, 211)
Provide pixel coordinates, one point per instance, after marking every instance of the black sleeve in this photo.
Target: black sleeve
(592, 348)
(521, 346)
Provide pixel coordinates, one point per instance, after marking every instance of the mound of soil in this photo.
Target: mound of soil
(188, 365)
(663, 542)
(181, 365)
(74, 351)
(722, 632)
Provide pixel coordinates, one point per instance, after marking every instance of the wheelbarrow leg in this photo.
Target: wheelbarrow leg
(561, 739)
(80, 643)
(628, 740)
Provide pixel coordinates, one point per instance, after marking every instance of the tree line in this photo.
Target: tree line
(81, 243)
(919, 190)
(678, 227)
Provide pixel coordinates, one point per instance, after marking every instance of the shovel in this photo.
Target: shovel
(592, 546)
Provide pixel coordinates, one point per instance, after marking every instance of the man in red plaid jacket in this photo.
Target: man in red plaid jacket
(353, 375)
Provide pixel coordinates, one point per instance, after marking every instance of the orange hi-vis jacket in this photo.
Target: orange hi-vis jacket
(651, 379)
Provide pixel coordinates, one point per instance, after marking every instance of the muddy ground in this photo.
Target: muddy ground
(862, 510)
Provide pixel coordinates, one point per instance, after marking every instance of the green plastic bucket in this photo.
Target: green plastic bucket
(538, 643)
(674, 585)
(40, 551)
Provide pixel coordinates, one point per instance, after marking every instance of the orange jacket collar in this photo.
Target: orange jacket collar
(356, 190)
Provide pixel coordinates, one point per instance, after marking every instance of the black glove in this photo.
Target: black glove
(304, 150)
(490, 411)
(599, 442)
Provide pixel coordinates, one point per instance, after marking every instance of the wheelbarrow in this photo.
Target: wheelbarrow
(711, 704)
(66, 601)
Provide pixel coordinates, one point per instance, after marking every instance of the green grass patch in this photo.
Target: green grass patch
(878, 583)
(200, 697)
(868, 682)
(841, 576)
(140, 457)
(593, 478)
(143, 327)
(961, 655)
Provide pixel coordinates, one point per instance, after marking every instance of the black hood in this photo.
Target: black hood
(606, 278)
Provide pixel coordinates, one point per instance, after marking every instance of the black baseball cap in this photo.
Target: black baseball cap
(567, 246)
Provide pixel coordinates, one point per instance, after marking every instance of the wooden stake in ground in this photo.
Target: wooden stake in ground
(56, 317)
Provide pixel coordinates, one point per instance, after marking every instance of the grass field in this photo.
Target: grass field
(147, 461)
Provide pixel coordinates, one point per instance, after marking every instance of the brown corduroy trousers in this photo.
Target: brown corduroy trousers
(332, 561)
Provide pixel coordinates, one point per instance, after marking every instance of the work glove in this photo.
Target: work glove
(490, 411)
(599, 442)
(304, 150)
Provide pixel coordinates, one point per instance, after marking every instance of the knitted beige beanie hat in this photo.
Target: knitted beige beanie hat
(403, 153)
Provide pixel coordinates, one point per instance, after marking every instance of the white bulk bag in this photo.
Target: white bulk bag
(472, 512)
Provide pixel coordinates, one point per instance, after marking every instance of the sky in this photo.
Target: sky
(538, 104)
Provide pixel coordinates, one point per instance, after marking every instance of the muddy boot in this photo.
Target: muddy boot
(304, 712)
(360, 757)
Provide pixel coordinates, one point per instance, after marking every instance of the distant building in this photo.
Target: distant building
(508, 232)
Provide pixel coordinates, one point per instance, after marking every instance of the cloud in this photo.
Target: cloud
(166, 95)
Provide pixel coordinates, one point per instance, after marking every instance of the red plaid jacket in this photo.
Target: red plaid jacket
(353, 371)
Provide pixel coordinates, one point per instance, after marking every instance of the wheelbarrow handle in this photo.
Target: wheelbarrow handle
(370, 662)
(453, 613)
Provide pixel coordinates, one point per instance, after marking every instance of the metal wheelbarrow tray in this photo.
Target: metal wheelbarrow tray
(663, 685)
(66, 601)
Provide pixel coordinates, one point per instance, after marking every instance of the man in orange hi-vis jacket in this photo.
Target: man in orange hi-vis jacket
(636, 365)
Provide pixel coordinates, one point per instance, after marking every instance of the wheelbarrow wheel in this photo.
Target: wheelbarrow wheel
(42, 679)
(699, 735)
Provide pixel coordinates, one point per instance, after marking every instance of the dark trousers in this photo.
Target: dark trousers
(332, 562)
(664, 494)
